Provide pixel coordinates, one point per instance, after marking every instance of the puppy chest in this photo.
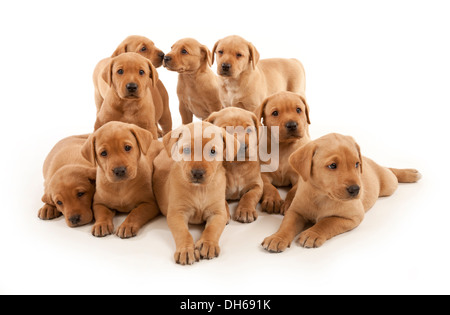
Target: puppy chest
(235, 185)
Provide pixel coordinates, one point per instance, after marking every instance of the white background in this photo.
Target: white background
(376, 70)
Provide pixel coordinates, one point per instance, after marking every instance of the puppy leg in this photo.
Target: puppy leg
(289, 197)
(103, 221)
(271, 200)
(292, 224)
(208, 244)
(48, 212)
(186, 114)
(137, 218)
(246, 210)
(185, 253)
(325, 229)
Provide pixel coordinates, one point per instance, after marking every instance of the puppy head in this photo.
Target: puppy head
(187, 55)
(288, 111)
(71, 190)
(142, 46)
(242, 123)
(234, 56)
(116, 148)
(199, 150)
(130, 75)
(333, 164)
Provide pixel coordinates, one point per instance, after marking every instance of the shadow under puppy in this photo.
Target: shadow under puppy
(69, 183)
(123, 154)
(244, 182)
(189, 184)
(338, 186)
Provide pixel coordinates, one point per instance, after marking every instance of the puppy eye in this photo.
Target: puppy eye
(220, 52)
(141, 72)
(184, 52)
(144, 48)
(104, 153)
(59, 203)
(187, 150)
(332, 166)
(249, 130)
(357, 164)
(238, 55)
(80, 194)
(120, 71)
(128, 148)
(299, 110)
(275, 113)
(212, 152)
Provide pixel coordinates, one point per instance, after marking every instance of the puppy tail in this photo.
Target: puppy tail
(406, 175)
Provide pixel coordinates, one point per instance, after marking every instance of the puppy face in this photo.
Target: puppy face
(333, 164)
(288, 111)
(116, 148)
(130, 75)
(234, 56)
(199, 149)
(71, 190)
(242, 123)
(142, 46)
(187, 55)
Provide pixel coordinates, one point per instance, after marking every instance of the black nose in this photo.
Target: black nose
(353, 190)
(167, 58)
(161, 55)
(75, 219)
(120, 171)
(291, 126)
(198, 173)
(132, 87)
(226, 66)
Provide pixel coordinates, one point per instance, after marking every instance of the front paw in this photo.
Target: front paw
(187, 255)
(272, 203)
(102, 229)
(245, 215)
(311, 239)
(207, 249)
(127, 231)
(275, 244)
(48, 212)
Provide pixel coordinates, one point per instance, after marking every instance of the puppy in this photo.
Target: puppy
(245, 81)
(290, 113)
(244, 180)
(338, 186)
(142, 46)
(189, 184)
(198, 89)
(69, 183)
(123, 154)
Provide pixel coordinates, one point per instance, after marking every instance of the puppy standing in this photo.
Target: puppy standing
(244, 182)
(192, 188)
(123, 154)
(198, 89)
(69, 183)
(338, 186)
(290, 113)
(245, 81)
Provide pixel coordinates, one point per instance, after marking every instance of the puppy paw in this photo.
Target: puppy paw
(284, 208)
(275, 244)
(187, 255)
(272, 204)
(48, 212)
(311, 239)
(207, 249)
(126, 231)
(245, 215)
(102, 229)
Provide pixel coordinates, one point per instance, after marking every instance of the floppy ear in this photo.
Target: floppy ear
(92, 175)
(212, 117)
(107, 73)
(261, 109)
(170, 139)
(254, 55)
(231, 144)
(302, 160)
(47, 199)
(214, 52)
(306, 108)
(360, 157)
(88, 150)
(122, 48)
(208, 55)
(153, 73)
(143, 137)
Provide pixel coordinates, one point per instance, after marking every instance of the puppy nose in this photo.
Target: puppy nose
(167, 58)
(75, 219)
(161, 55)
(353, 190)
(132, 87)
(226, 66)
(197, 173)
(291, 126)
(120, 171)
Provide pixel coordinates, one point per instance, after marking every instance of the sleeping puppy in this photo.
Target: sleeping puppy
(69, 183)
(290, 113)
(338, 186)
(244, 182)
(189, 184)
(132, 93)
(198, 90)
(123, 154)
(245, 80)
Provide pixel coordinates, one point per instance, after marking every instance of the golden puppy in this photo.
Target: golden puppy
(338, 186)
(124, 155)
(244, 180)
(69, 183)
(189, 184)
(290, 113)
(245, 81)
(198, 90)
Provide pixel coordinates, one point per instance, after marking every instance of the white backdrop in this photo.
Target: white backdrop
(376, 70)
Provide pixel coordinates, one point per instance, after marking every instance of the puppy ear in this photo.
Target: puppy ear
(212, 117)
(208, 55)
(143, 138)
(213, 53)
(261, 109)
(302, 160)
(92, 175)
(170, 140)
(88, 150)
(47, 199)
(306, 108)
(153, 73)
(107, 72)
(122, 48)
(254, 55)
(360, 157)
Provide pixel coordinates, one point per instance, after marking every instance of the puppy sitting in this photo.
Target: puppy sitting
(290, 113)
(244, 180)
(189, 184)
(198, 90)
(69, 183)
(338, 186)
(124, 155)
